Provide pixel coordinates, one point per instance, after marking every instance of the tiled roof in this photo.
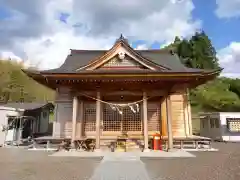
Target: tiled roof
(80, 58)
(25, 106)
(160, 58)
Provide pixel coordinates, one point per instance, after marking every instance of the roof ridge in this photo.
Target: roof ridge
(75, 51)
(154, 50)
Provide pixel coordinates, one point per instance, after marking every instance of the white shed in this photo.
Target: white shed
(4, 113)
(18, 113)
(223, 126)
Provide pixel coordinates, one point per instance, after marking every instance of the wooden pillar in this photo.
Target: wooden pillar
(101, 121)
(163, 117)
(169, 123)
(208, 123)
(145, 121)
(186, 115)
(74, 118)
(55, 133)
(142, 118)
(189, 113)
(98, 120)
(81, 129)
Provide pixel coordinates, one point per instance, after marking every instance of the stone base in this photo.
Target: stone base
(120, 150)
(146, 150)
(97, 150)
(171, 150)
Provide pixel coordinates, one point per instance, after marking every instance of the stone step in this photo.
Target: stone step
(120, 150)
(134, 150)
(130, 144)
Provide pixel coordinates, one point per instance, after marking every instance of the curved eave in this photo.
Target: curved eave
(132, 74)
(37, 76)
(197, 78)
(116, 73)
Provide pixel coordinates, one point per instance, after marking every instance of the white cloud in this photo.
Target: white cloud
(229, 58)
(10, 56)
(142, 47)
(228, 8)
(6, 55)
(149, 20)
(51, 51)
(96, 26)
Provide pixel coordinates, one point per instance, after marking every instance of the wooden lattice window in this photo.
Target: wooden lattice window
(154, 116)
(131, 121)
(111, 119)
(114, 121)
(90, 117)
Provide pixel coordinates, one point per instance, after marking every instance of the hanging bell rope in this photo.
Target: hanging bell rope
(118, 107)
(115, 104)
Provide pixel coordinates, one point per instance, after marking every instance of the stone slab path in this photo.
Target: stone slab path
(121, 168)
(107, 154)
(123, 165)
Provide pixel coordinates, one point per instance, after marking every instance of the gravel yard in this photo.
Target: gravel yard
(221, 165)
(19, 164)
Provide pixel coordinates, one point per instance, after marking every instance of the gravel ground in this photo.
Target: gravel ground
(19, 164)
(221, 165)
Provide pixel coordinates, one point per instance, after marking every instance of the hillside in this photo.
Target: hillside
(15, 86)
(221, 94)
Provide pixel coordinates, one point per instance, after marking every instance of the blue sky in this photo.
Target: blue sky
(220, 31)
(40, 30)
(4, 13)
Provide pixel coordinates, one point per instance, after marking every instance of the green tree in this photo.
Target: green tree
(222, 94)
(184, 51)
(15, 86)
(216, 96)
(203, 52)
(197, 52)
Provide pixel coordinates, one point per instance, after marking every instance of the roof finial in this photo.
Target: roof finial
(121, 38)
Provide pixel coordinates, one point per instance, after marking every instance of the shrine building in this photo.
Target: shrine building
(105, 94)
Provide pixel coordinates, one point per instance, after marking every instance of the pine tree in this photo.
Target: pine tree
(203, 52)
(198, 52)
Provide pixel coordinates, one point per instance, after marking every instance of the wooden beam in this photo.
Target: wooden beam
(150, 75)
(122, 93)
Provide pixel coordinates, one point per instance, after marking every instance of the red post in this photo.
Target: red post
(157, 142)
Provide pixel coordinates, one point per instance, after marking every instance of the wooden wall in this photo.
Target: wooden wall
(62, 126)
(177, 108)
(181, 126)
(181, 114)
